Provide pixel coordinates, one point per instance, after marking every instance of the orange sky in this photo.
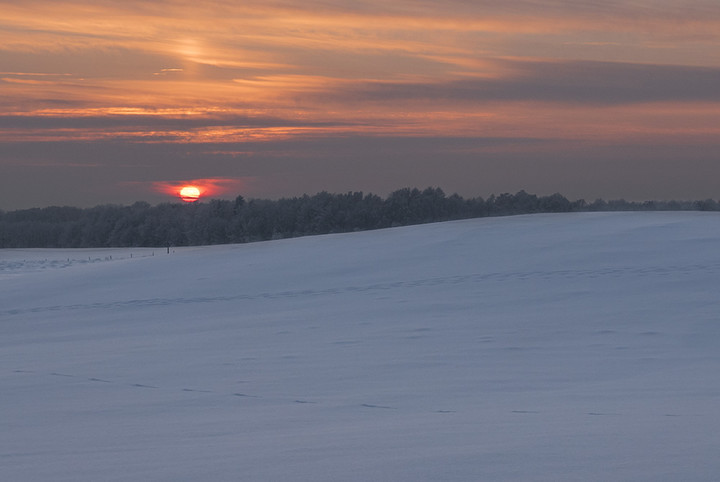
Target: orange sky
(592, 99)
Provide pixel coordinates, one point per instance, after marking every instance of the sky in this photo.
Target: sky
(116, 102)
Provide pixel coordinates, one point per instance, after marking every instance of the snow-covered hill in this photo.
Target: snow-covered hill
(545, 348)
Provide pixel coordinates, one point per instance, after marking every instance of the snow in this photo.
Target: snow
(544, 347)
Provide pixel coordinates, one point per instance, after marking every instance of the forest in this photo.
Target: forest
(240, 221)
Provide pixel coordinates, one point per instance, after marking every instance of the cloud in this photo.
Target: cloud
(84, 119)
(169, 71)
(577, 82)
(160, 126)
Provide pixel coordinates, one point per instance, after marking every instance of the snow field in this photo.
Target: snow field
(545, 347)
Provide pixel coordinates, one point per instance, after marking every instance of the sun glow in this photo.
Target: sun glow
(189, 194)
(193, 190)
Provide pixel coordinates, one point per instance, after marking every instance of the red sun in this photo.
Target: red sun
(189, 194)
(192, 190)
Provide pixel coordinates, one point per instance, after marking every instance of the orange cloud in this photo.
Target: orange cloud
(298, 62)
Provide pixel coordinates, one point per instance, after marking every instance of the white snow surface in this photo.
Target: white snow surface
(547, 347)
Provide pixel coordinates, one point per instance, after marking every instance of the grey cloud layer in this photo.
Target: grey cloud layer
(568, 82)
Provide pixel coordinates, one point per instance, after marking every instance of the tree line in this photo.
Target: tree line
(241, 221)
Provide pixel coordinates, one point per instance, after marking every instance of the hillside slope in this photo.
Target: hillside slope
(545, 347)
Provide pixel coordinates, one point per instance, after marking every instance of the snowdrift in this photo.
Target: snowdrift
(545, 347)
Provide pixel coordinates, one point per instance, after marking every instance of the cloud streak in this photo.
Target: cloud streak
(584, 82)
